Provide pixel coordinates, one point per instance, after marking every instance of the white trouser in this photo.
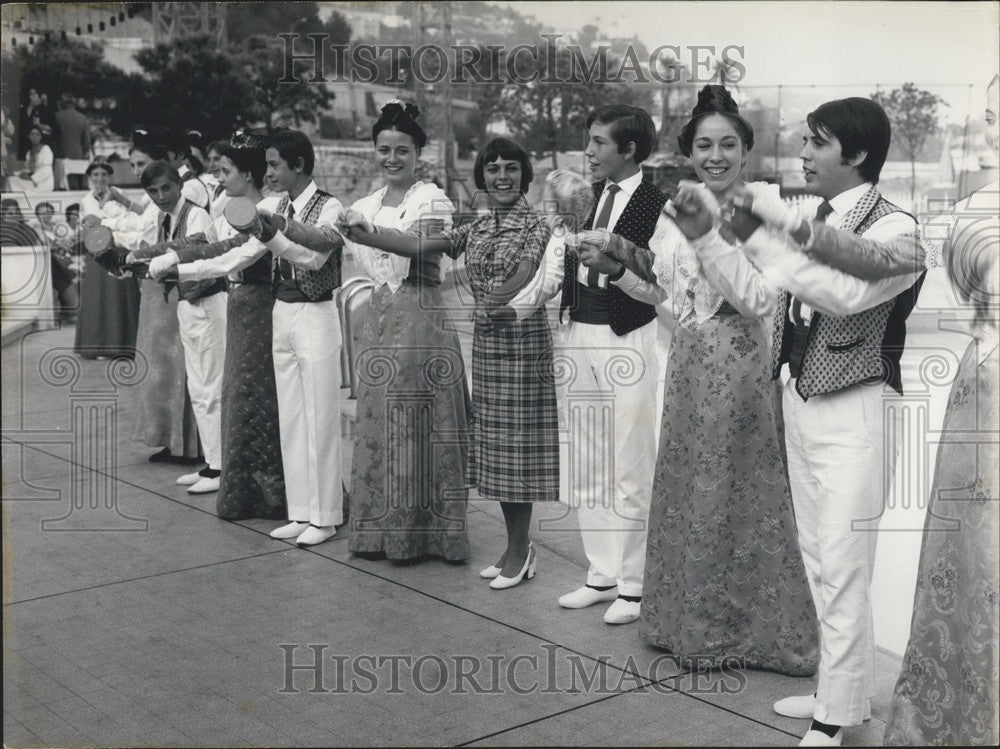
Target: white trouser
(608, 463)
(306, 347)
(203, 335)
(839, 471)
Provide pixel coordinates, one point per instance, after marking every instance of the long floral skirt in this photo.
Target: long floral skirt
(725, 581)
(408, 476)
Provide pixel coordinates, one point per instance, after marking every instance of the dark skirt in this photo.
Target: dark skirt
(164, 417)
(408, 475)
(516, 447)
(108, 320)
(724, 574)
(252, 483)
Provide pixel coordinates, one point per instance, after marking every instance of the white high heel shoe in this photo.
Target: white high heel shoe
(490, 572)
(528, 570)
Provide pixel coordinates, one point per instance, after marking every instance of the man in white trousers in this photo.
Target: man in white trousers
(306, 340)
(837, 345)
(201, 314)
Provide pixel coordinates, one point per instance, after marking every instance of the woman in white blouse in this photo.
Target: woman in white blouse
(408, 487)
(724, 579)
(38, 176)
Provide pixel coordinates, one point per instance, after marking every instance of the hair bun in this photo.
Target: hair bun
(395, 108)
(715, 98)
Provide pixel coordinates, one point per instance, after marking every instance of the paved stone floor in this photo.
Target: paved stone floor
(134, 616)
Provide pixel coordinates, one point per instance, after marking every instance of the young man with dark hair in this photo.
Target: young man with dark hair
(841, 338)
(178, 154)
(611, 340)
(201, 315)
(306, 339)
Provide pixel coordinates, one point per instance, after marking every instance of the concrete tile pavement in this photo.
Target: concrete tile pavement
(172, 634)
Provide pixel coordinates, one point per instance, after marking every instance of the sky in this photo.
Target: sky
(940, 46)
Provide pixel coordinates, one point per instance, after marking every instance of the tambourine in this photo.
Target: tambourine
(567, 199)
(241, 214)
(99, 243)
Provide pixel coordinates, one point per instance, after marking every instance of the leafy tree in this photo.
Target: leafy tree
(913, 113)
(56, 67)
(244, 20)
(276, 103)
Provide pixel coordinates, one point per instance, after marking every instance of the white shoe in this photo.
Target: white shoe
(189, 479)
(527, 571)
(818, 738)
(313, 535)
(622, 612)
(291, 530)
(803, 707)
(800, 706)
(583, 597)
(490, 572)
(205, 485)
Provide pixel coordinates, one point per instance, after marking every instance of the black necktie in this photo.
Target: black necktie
(822, 211)
(166, 228)
(285, 268)
(593, 275)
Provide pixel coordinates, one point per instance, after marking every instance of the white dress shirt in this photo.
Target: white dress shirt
(627, 187)
(294, 253)
(198, 220)
(230, 262)
(819, 286)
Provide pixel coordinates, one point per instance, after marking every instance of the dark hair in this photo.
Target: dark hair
(72, 208)
(628, 125)
(157, 169)
(99, 163)
(503, 148)
(40, 132)
(714, 99)
(249, 160)
(219, 146)
(860, 125)
(293, 145)
(402, 117)
(44, 204)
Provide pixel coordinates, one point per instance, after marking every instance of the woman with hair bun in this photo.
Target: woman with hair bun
(724, 580)
(408, 478)
(252, 484)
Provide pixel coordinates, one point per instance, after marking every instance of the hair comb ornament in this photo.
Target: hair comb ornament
(247, 138)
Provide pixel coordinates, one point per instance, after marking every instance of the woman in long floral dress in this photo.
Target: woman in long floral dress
(724, 581)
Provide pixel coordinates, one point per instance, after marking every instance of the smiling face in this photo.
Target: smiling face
(396, 156)
(503, 181)
(99, 180)
(603, 157)
(235, 182)
(213, 163)
(718, 154)
(280, 174)
(165, 193)
(826, 171)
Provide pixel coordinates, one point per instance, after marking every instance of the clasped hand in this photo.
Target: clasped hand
(351, 222)
(590, 245)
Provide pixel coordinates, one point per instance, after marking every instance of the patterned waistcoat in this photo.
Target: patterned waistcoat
(314, 284)
(843, 351)
(636, 224)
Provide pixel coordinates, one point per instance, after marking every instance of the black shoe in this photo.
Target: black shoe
(182, 461)
(164, 456)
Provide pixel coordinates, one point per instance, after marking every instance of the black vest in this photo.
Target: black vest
(636, 224)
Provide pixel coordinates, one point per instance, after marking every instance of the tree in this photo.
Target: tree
(57, 67)
(913, 113)
(277, 103)
(244, 20)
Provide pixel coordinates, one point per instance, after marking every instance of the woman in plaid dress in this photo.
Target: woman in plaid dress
(516, 454)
